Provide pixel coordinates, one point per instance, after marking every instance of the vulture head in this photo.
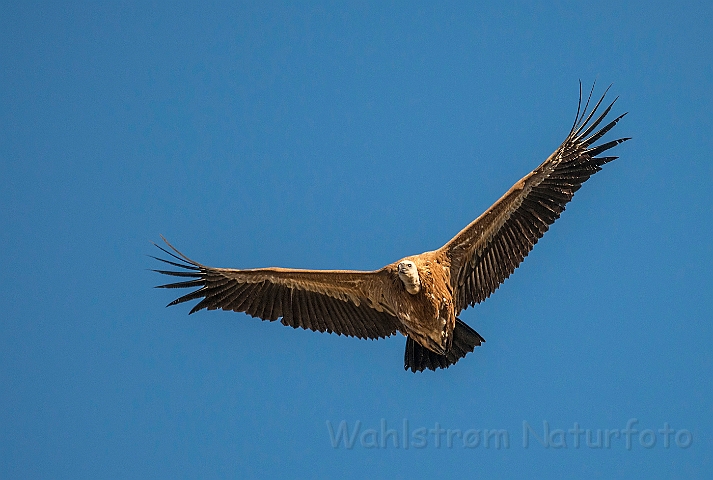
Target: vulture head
(408, 273)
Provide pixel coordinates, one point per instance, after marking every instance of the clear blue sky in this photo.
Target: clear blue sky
(273, 134)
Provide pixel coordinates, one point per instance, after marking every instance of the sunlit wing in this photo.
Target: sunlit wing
(344, 302)
(488, 250)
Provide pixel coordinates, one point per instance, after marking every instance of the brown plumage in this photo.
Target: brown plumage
(421, 295)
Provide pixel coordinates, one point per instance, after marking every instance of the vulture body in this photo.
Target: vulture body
(420, 295)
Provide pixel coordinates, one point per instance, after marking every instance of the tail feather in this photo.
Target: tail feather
(418, 358)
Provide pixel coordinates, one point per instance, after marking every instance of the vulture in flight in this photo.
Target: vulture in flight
(421, 295)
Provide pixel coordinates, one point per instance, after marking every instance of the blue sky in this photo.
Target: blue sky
(277, 134)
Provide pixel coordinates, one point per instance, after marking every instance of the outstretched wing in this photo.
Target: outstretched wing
(340, 301)
(488, 250)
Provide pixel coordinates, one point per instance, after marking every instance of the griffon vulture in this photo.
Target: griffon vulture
(422, 295)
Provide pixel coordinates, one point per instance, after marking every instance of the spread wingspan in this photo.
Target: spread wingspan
(378, 304)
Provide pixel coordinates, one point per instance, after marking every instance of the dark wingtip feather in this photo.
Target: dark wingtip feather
(199, 306)
(181, 255)
(579, 108)
(191, 283)
(606, 146)
(177, 274)
(180, 265)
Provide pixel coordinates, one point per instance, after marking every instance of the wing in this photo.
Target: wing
(488, 250)
(341, 301)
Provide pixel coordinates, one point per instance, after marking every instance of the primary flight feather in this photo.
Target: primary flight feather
(422, 295)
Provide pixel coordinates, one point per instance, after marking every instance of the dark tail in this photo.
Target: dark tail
(418, 358)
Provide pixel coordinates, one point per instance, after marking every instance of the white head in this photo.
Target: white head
(408, 273)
